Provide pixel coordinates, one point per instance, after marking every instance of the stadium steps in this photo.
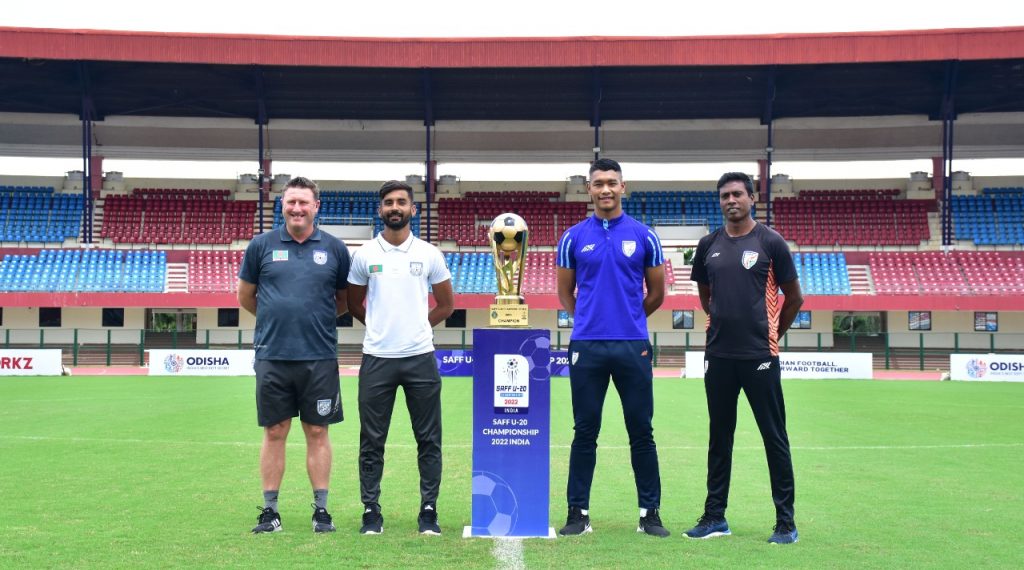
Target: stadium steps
(683, 285)
(166, 340)
(860, 280)
(177, 278)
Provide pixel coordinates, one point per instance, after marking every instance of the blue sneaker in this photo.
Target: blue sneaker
(785, 533)
(709, 527)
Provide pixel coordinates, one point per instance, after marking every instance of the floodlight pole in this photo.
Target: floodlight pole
(595, 113)
(948, 115)
(87, 116)
(768, 119)
(430, 166)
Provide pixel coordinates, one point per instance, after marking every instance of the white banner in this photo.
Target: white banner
(987, 367)
(810, 365)
(38, 362)
(201, 362)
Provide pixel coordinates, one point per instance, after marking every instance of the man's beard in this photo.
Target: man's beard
(401, 223)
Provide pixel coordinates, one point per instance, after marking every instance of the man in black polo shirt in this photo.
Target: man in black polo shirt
(293, 280)
(739, 269)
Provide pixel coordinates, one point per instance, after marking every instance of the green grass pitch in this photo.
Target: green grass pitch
(140, 472)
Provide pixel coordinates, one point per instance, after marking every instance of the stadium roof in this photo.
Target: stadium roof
(846, 96)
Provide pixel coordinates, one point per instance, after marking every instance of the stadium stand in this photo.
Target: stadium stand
(61, 270)
(937, 273)
(994, 217)
(349, 208)
(38, 214)
(822, 273)
(852, 217)
(466, 220)
(213, 271)
(654, 207)
(175, 216)
(472, 272)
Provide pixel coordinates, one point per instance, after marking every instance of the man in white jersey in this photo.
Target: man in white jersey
(393, 274)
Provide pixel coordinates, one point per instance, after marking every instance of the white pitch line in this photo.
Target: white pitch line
(508, 554)
(297, 443)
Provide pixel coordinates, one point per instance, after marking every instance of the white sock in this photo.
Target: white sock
(643, 513)
(585, 511)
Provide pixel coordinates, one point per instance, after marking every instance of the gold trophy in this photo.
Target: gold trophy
(508, 235)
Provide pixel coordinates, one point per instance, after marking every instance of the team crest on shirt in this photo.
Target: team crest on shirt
(319, 256)
(749, 259)
(323, 407)
(628, 247)
(415, 268)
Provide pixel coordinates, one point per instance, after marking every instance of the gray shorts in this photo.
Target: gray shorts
(310, 389)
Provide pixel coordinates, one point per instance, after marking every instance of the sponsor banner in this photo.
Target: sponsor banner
(511, 433)
(38, 362)
(460, 362)
(559, 363)
(987, 367)
(809, 365)
(454, 362)
(201, 362)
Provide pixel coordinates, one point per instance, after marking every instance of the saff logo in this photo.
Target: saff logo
(174, 363)
(976, 368)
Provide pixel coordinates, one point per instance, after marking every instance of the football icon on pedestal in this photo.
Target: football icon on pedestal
(508, 231)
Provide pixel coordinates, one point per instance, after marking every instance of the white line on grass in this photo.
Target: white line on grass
(508, 554)
(299, 443)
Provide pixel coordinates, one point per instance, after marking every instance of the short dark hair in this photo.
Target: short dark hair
(303, 182)
(392, 185)
(605, 164)
(736, 177)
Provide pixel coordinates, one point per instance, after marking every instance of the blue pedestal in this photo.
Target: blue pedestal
(511, 433)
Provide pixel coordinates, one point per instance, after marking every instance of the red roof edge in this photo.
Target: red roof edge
(774, 49)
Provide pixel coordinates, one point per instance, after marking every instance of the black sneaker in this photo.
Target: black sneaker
(322, 520)
(373, 521)
(651, 524)
(709, 527)
(428, 520)
(576, 523)
(269, 521)
(785, 533)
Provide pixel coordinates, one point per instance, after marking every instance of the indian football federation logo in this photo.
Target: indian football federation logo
(628, 247)
(976, 368)
(319, 256)
(415, 268)
(749, 259)
(323, 407)
(174, 363)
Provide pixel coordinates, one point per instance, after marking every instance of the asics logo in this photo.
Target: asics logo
(716, 254)
(765, 365)
(588, 247)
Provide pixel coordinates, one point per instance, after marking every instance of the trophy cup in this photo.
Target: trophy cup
(508, 234)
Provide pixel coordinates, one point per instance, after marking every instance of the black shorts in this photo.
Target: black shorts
(310, 389)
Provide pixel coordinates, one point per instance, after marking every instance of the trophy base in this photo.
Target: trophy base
(511, 316)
